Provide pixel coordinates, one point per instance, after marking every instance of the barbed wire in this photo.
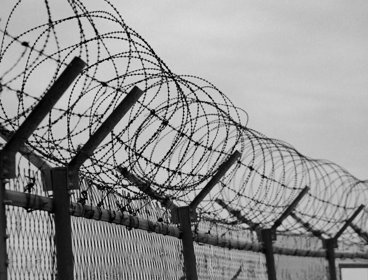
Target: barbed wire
(176, 135)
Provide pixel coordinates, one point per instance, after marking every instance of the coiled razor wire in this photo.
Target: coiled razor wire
(174, 137)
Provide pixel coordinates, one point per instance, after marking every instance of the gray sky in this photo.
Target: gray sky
(299, 68)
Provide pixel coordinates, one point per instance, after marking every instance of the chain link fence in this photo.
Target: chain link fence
(106, 250)
(30, 245)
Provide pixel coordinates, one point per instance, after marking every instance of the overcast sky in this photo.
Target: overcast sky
(299, 68)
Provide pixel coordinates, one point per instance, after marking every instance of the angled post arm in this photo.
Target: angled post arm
(16, 143)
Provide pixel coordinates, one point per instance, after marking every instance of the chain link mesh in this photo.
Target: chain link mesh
(223, 263)
(109, 251)
(301, 268)
(30, 246)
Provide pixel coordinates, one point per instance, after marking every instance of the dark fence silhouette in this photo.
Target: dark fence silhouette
(95, 125)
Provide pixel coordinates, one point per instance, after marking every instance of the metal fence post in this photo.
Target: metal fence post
(330, 245)
(65, 178)
(267, 237)
(184, 217)
(63, 230)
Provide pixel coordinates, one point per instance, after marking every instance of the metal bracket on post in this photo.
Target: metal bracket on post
(100, 134)
(331, 243)
(184, 217)
(16, 143)
(65, 178)
(266, 236)
(349, 221)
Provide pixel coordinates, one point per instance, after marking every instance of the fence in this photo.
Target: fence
(119, 165)
(105, 250)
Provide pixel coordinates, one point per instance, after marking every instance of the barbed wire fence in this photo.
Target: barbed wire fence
(97, 127)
